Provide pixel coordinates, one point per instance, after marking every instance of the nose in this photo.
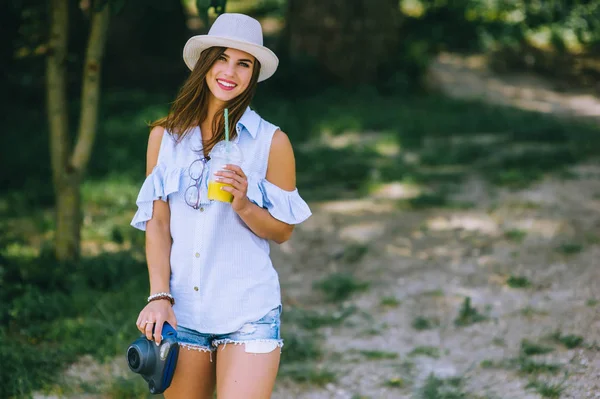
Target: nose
(229, 70)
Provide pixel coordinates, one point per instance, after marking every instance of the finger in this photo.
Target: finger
(231, 175)
(148, 330)
(140, 323)
(236, 193)
(158, 331)
(235, 183)
(236, 169)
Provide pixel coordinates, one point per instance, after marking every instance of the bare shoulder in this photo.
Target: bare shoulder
(281, 141)
(281, 170)
(154, 142)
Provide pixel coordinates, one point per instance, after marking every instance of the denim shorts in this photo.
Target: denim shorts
(261, 336)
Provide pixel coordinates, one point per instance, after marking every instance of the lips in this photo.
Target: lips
(226, 85)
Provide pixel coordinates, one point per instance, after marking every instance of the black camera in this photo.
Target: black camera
(156, 364)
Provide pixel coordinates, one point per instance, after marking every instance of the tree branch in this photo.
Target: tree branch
(90, 93)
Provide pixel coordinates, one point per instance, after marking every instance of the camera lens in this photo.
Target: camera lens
(133, 358)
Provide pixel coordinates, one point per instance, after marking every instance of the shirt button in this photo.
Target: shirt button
(195, 288)
(202, 209)
(197, 255)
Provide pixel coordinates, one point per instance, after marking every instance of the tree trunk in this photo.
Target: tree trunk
(68, 218)
(350, 38)
(67, 169)
(56, 90)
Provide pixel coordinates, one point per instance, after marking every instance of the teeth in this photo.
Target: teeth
(226, 83)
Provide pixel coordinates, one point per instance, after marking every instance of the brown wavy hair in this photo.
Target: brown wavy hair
(190, 108)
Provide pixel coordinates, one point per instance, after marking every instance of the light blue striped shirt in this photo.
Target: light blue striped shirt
(221, 273)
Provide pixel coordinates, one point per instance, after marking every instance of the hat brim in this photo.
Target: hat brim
(197, 44)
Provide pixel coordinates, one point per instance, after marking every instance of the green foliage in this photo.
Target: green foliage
(468, 314)
(52, 313)
(438, 388)
(570, 248)
(128, 388)
(378, 355)
(423, 323)
(529, 366)
(529, 348)
(518, 282)
(338, 287)
(515, 235)
(390, 301)
(546, 389)
(430, 351)
(570, 341)
(396, 382)
(312, 320)
(307, 373)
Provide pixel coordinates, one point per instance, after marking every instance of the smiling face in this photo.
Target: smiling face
(230, 75)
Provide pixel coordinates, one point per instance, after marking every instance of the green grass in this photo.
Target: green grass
(429, 351)
(67, 311)
(378, 355)
(389, 301)
(529, 348)
(515, 235)
(421, 323)
(396, 382)
(570, 248)
(338, 287)
(354, 253)
(570, 341)
(529, 311)
(313, 320)
(526, 365)
(468, 314)
(518, 282)
(546, 389)
(490, 364)
(128, 388)
(306, 372)
(592, 302)
(438, 388)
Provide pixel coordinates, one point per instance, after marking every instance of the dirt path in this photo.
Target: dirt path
(546, 238)
(469, 77)
(431, 261)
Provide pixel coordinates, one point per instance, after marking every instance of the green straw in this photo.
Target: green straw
(226, 124)
(227, 130)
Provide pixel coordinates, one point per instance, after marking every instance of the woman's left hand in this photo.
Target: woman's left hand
(238, 186)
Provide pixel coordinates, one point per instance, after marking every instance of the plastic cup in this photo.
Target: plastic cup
(222, 153)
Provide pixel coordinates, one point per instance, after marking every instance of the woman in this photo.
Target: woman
(210, 272)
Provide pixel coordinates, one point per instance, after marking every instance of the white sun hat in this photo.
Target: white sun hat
(236, 31)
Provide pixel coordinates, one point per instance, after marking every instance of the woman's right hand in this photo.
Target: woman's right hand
(153, 316)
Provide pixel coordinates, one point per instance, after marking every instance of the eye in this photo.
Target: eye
(245, 64)
(222, 58)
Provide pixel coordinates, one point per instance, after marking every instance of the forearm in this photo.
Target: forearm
(260, 221)
(158, 254)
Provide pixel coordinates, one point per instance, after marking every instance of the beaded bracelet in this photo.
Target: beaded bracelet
(162, 295)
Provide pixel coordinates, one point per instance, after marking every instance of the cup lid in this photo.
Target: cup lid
(229, 151)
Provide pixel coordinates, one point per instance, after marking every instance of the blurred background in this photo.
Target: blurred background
(448, 150)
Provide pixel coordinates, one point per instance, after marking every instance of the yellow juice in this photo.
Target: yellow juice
(215, 192)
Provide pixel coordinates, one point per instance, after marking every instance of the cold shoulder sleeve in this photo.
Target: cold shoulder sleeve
(283, 205)
(159, 184)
